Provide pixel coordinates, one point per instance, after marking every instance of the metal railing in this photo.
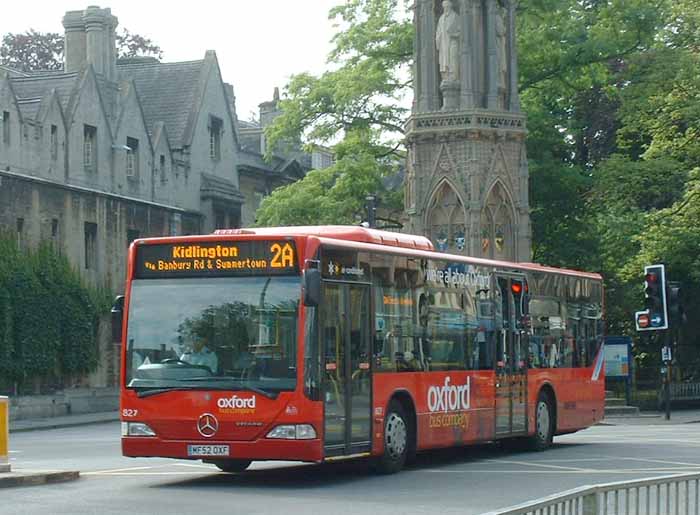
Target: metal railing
(667, 495)
(685, 391)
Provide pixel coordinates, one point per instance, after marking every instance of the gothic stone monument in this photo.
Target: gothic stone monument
(467, 178)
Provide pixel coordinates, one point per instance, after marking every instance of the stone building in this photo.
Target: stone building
(283, 165)
(466, 184)
(111, 150)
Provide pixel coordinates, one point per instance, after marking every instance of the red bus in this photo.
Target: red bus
(322, 343)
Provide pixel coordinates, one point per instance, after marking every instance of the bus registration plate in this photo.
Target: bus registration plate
(207, 450)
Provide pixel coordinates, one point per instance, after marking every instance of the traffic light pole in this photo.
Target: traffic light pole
(667, 379)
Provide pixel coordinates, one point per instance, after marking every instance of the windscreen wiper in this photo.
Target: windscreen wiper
(148, 391)
(238, 386)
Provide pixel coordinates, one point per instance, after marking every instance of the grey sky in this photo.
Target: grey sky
(259, 43)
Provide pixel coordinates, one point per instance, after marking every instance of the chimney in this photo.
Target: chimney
(91, 39)
(74, 52)
(270, 110)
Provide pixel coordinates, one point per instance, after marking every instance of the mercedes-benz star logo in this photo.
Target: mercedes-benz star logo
(207, 425)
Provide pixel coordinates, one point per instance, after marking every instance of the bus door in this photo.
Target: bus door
(511, 355)
(345, 333)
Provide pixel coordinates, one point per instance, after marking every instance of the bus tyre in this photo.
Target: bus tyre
(544, 424)
(232, 466)
(397, 438)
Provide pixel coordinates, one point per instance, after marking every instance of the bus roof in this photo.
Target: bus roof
(357, 236)
(513, 265)
(339, 232)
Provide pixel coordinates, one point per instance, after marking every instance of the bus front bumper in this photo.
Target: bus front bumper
(262, 449)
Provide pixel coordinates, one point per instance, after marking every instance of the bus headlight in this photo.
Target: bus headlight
(293, 432)
(136, 429)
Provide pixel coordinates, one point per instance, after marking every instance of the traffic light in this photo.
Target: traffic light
(675, 306)
(655, 316)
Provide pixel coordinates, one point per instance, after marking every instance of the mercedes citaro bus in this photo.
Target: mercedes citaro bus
(322, 343)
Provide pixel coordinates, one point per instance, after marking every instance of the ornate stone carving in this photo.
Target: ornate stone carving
(501, 54)
(447, 41)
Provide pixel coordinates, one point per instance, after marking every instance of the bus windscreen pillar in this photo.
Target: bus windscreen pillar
(4, 434)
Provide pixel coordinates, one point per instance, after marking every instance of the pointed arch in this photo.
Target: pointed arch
(498, 222)
(498, 168)
(446, 218)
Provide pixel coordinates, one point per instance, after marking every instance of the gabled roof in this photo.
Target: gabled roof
(167, 92)
(12, 72)
(40, 86)
(29, 108)
(129, 94)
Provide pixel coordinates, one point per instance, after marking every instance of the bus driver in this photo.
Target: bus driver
(201, 355)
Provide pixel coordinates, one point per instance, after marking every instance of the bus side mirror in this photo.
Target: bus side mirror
(117, 318)
(312, 284)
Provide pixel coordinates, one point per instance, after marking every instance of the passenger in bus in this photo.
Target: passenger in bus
(201, 355)
(553, 356)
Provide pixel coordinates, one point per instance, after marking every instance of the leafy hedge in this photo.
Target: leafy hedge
(48, 319)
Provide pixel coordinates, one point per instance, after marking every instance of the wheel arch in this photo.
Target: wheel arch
(409, 405)
(548, 390)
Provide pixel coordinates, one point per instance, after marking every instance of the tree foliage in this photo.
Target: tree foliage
(33, 50)
(612, 96)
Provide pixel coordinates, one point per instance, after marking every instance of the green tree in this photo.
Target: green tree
(33, 50)
(566, 51)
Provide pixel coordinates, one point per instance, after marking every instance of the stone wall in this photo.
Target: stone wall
(67, 402)
(35, 209)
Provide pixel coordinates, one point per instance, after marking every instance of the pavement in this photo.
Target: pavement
(19, 476)
(655, 418)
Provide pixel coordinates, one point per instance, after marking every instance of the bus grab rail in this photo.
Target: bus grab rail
(672, 495)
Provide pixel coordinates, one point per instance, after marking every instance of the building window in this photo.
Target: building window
(132, 157)
(163, 176)
(54, 142)
(175, 224)
(90, 148)
(131, 235)
(219, 219)
(54, 228)
(215, 126)
(20, 232)
(90, 246)
(6, 127)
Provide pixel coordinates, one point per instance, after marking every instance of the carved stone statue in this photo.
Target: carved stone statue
(447, 41)
(501, 47)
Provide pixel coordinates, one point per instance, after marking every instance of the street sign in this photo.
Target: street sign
(642, 320)
(666, 354)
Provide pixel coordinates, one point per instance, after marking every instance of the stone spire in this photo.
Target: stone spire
(467, 179)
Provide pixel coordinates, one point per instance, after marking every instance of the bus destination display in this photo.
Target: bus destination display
(206, 259)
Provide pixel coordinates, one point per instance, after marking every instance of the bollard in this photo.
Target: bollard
(4, 434)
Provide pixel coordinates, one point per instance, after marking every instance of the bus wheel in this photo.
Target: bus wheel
(544, 424)
(396, 439)
(232, 466)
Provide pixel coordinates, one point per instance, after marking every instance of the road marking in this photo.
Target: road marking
(173, 473)
(196, 466)
(542, 472)
(650, 460)
(535, 464)
(111, 471)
